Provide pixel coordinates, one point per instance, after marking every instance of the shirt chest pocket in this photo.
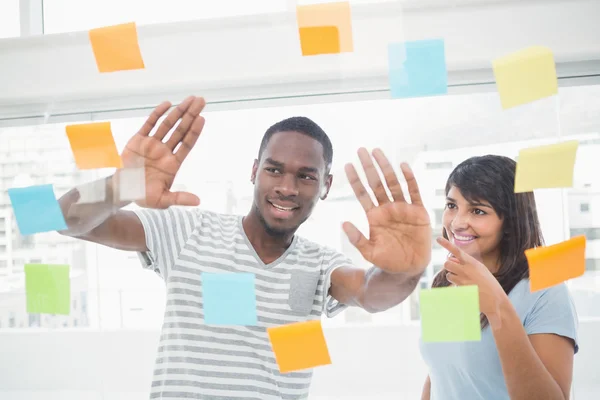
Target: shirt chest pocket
(303, 288)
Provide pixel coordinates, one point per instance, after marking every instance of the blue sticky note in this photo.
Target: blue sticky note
(36, 209)
(417, 68)
(229, 298)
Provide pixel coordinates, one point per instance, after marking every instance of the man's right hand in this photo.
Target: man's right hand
(161, 158)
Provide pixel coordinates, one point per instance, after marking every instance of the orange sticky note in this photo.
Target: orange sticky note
(325, 16)
(116, 48)
(319, 40)
(551, 265)
(299, 346)
(93, 146)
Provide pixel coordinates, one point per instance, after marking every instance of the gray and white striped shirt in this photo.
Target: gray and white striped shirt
(199, 361)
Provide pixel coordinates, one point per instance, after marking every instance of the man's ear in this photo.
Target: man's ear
(254, 170)
(326, 187)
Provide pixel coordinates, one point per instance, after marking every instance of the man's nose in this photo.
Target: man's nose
(288, 186)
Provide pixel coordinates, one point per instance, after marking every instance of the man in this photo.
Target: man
(296, 280)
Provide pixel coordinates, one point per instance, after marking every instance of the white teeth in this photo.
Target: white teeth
(464, 238)
(282, 208)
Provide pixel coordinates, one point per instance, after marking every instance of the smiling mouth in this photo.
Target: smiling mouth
(460, 239)
(282, 208)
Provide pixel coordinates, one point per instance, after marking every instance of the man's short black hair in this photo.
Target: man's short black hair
(307, 127)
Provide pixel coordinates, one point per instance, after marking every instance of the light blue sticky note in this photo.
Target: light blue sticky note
(229, 298)
(36, 209)
(417, 68)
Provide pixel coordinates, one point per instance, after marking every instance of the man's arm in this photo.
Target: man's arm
(374, 290)
(102, 222)
(161, 154)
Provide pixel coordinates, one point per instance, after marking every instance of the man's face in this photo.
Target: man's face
(288, 181)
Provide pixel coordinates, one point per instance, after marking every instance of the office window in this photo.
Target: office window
(10, 22)
(438, 165)
(592, 264)
(438, 216)
(440, 192)
(590, 233)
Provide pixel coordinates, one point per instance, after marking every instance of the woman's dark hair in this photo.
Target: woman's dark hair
(492, 178)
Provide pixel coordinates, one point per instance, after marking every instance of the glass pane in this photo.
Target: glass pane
(26, 160)
(112, 292)
(10, 23)
(76, 15)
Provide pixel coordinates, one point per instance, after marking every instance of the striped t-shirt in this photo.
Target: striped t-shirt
(199, 361)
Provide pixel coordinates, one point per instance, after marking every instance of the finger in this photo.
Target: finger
(150, 123)
(174, 116)
(413, 187)
(453, 267)
(181, 199)
(456, 252)
(357, 239)
(450, 277)
(391, 179)
(359, 189)
(186, 121)
(189, 141)
(373, 176)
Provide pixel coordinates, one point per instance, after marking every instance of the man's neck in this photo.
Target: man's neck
(268, 247)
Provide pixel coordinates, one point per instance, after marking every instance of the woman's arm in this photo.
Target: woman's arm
(535, 367)
(426, 389)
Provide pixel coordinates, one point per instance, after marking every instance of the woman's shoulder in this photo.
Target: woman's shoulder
(527, 302)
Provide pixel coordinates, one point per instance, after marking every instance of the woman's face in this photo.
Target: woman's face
(474, 227)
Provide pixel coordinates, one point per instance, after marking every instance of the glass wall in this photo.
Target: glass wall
(111, 290)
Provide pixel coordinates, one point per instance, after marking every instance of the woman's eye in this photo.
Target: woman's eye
(450, 205)
(477, 211)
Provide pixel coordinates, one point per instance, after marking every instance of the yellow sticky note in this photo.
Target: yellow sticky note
(93, 146)
(525, 76)
(549, 166)
(325, 16)
(116, 48)
(319, 40)
(299, 346)
(551, 265)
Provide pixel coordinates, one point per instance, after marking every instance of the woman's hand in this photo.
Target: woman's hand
(463, 269)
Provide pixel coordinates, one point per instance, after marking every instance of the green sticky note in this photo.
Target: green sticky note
(450, 314)
(48, 289)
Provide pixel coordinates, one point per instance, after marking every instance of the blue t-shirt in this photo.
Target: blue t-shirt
(472, 370)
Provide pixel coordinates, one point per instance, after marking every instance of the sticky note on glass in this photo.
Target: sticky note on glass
(36, 209)
(417, 68)
(48, 289)
(551, 265)
(92, 192)
(319, 40)
(549, 166)
(450, 314)
(93, 146)
(116, 48)
(299, 346)
(525, 76)
(229, 298)
(325, 28)
(132, 184)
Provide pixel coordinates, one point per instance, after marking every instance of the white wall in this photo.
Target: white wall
(93, 365)
(257, 57)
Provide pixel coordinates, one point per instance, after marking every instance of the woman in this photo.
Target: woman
(528, 340)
